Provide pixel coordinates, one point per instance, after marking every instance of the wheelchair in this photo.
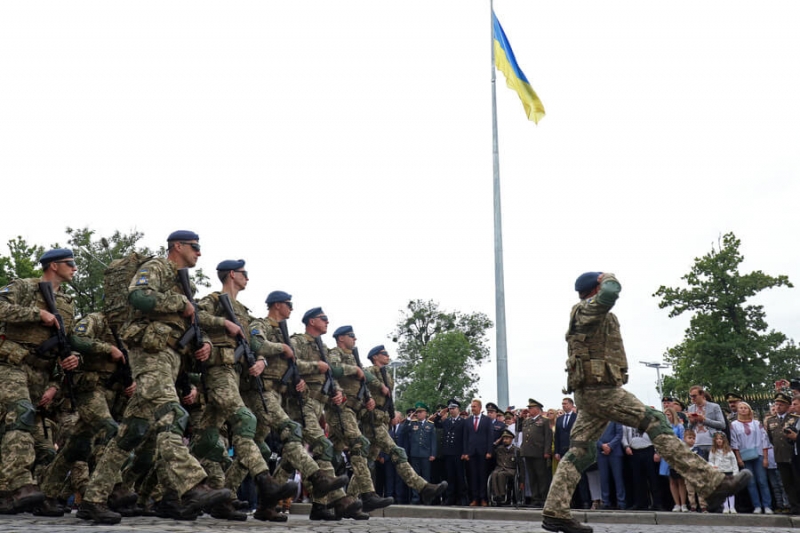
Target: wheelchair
(515, 491)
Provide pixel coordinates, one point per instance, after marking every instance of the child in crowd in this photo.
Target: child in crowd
(722, 458)
(689, 437)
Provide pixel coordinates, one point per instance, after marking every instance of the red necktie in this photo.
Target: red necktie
(476, 423)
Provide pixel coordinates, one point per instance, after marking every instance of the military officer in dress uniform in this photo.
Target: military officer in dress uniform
(506, 455)
(784, 448)
(452, 427)
(422, 445)
(537, 439)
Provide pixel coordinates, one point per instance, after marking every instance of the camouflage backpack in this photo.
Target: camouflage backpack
(116, 279)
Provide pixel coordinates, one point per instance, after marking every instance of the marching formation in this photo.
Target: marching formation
(136, 376)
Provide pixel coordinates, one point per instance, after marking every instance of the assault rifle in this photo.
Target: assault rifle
(123, 372)
(58, 341)
(389, 405)
(363, 395)
(243, 348)
(292, 376)
(194, 334)
(329, 386)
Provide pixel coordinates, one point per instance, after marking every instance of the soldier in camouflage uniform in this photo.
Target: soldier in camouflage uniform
(343, 420)
(265, 337)
(596, 370)
(27, 324)
(313, 371)
(376, 423)
(164, 314)
(224, 401)
(102, 358)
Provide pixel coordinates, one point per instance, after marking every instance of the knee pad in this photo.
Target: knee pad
(108, 428)
(359, 446)
(265, 450)
(133, 433)
(322, 450)
(243, 423)
(78, 448)
(25, 419)
(398, 455)
(654, 424)
(581, 454)
(180, 421)
(290, 431)
(142, 462)
(205, 445)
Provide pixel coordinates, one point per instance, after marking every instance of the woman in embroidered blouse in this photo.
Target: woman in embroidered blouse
(750, 447)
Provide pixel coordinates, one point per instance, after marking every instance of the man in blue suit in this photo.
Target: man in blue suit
(609, 461)
(478, 447)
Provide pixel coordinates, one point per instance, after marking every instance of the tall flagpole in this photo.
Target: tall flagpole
(499, 283)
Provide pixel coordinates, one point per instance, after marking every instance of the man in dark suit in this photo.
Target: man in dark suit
(537, 438)
(582, 498)
(478, 447)
(452, 427)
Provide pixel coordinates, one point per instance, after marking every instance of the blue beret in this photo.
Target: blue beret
(343, 330)
(278, 296)
(55, 254)
(587, 281)
(231, 264)
(312, 313)
(183, 235)
(375, 351)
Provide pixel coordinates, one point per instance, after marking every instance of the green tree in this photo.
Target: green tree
(440, 352)
(22, 261)
(728, 345)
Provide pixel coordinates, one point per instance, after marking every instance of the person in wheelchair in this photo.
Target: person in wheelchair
(507, 456)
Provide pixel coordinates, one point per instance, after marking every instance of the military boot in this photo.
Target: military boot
(121, 498)
(49, 507)
(320, 512)
(270, 492)
(200, 496)
(323, 483)
(431, 492)
(729, 486)
(99, 513)
(25, 497)
(241, 505)
(170, 507)
(565, 525)
(227, 511)
(349, 507)
(371, 501)
(269, 514)
(6, 504)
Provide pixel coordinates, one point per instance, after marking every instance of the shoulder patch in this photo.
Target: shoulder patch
(141, 281)
(5, 289)
(255, 331)
(81, 328)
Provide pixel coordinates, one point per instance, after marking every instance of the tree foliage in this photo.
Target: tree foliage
(728, 345)
(440, 352)
(22, 261)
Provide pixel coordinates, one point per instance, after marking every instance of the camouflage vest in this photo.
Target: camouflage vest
(276, 365)
(31, 334)
(350, 384)
(597, 358)
(306, 350)
(95, 327)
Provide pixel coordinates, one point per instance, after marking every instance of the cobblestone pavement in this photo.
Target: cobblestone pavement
(26, 523)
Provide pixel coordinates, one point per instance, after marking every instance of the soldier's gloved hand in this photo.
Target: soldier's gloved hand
(203, 353)
(70, 363)
(257, 368)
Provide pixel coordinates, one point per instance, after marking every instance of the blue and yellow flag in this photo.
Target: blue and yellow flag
(505, 61)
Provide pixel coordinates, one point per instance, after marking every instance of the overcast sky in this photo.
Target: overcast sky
(344, 150)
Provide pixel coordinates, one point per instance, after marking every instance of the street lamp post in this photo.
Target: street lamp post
(658, 366)
(393, 365)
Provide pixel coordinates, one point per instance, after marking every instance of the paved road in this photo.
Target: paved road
(299, 523)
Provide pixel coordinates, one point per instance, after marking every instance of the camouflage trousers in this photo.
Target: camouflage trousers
(313, 435)
(273, 419)
(381, 441)
(596, 406)
(17, 445)
(225, 405)
(93, 422)
(344, 433)
(155, 375)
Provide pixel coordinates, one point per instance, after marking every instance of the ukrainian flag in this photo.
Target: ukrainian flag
(505, 61)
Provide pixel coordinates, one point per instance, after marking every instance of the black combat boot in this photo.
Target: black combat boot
(271, 492)
(269, 514)
(320, 512)
(200, 496)
(349, 507)
(431, 492)
(99, 513)
(729, 486)
(6, 504)
(565, 525)
(49, 507)
(226, 511)
(371, 501)
(323, 483)
(25, 497)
